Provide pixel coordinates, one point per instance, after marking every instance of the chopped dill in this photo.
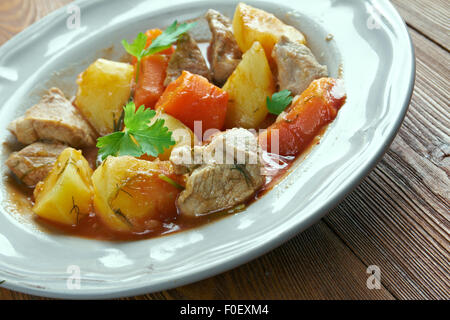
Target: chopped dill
(121, 189)
(241, 168)
(118, 125)
(171, 181)
(120, 214)
(75, 208)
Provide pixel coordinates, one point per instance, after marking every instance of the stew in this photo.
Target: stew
(174, 139)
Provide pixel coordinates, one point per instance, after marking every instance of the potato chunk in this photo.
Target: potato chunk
(180, 133)
(65, 195)
(247, 87)
(251, 24)
(131, 195)
(103, 89)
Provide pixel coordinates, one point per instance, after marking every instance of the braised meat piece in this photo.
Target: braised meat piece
(229, 174)
(297, 66)
(34, 162)
(187, 57)
(223, 52)
(54, 118)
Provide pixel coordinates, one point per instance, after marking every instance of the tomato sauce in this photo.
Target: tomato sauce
(91, 227)
(21, 197)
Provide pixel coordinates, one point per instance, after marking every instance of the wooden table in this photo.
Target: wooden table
(397, 219)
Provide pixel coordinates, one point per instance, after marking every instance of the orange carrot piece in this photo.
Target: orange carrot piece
(152, 34)
(193, 98)
(310, 112)
(150, 84)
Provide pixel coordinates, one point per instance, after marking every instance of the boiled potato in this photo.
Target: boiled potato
(65, 196)
(103, 89)
(180, 133)
(251, 24)
(129, 194)
(248, 87)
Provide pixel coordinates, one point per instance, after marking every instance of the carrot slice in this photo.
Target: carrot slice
(150, 84)
(310, 112)
(193, 98)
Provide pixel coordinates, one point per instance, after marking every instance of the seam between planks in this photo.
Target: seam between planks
(357, 255)
(427, 37)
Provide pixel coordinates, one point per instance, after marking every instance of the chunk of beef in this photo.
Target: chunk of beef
(297, 66)
(54, 118)
(34, 162)
(187, 57)
(229, 174)
(223, 52)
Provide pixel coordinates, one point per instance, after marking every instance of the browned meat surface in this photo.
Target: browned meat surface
(230, 173)
(54, 118)
(34, 162)
(297, 66)
(187, 57)
(223, 52)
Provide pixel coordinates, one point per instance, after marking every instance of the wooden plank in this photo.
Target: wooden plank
(430, 17)
(314, 265)
(398, 218)
(13, 295)
(15, 15)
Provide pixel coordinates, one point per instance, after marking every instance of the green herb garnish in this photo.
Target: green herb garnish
(279, 102)
(120, 214)
(138, 137)
(243, 170)
(162, 42)
(75, 209)
(171, 181)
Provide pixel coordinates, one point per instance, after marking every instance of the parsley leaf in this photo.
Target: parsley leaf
(138, 137)
(137, 47)
(137, 119)
(162, 42)
(279, 102)
(169, 36)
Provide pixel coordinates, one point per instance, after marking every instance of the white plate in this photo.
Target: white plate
(371, 42)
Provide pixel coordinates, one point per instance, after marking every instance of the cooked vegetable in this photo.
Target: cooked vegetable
(152, 34)
(251, 24)
(310, 112)
(153, 70)
(131, 196)
(279, 102)
(138, 137)
(181, 134)
(163, 42)
(65, 196)
(103, 89)
(248, 86)
(150, 85)
(192, 98)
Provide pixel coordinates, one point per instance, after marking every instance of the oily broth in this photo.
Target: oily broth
(91, 227)
(21, 200)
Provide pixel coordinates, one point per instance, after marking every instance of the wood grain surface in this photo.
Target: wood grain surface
(398, 218)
